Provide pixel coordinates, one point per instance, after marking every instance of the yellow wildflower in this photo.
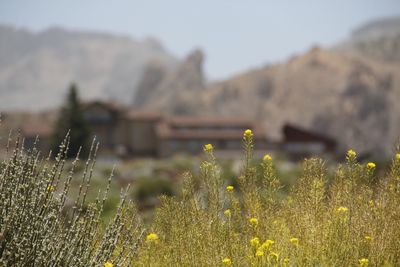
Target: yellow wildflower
(267, 244)
(248, 133)
(351, 154)
(398, 156)
(294, 241)
(108, 264)
(152, 238)
(229, 188)
(371, 165)
(253, 221)
(255, 242)
(363, 262)
(50, 188)
(342, 210)
(208, 148)
(259, 253)
(227, 262)
(368, 238)
(227, 213)
(267, 158)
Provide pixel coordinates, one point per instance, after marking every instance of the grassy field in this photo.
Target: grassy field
(349, 216)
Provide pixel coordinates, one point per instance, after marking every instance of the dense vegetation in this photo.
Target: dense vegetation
(351, 218)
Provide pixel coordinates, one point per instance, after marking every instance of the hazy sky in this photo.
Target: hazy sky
(234, 34)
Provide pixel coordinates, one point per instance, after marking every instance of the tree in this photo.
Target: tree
(71, 119)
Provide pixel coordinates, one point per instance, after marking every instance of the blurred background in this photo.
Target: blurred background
(156, 80)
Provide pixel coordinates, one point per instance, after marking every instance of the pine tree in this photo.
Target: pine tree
(71, 119)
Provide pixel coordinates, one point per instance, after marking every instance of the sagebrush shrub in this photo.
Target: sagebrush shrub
(37, 228)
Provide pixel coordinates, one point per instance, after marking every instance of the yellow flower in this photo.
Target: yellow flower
(50, 188)
(248, 133)
(398, 156)
(229, 188)
(259, 253)
(253, 221)
(108, 264)
(227, 213)
(267, 244)
(294, 241)
(363, 262)
(371, 165)
(368, 238)
(342, 210)
(255, 242)
(227, 262)
(208, 148)
(351, 154)
(152, 238)
(267, 158)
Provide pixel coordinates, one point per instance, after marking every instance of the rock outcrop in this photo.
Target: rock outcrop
(178, 92)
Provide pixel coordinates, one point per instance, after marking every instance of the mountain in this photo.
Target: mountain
(349, 92)
(37, 68)
(173, 91)
(379, 39)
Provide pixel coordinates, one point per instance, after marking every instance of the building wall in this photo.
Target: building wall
(121, 132)
(142, 137)
(104, 134)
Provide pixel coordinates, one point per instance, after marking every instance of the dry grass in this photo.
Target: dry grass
(351, 220)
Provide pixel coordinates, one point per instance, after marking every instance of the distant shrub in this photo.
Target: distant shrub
(152, 187)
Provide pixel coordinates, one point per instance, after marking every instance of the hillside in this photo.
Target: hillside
(378, 39)
(350, 92)
(37, 66)
(351, 98)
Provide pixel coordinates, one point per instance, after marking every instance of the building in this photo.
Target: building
(190, 134)
(121, 130)
(299, 143)
(131, 132)
(127, 132)
(106, 121)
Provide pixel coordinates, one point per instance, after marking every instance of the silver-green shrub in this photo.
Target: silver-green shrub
(39, 228)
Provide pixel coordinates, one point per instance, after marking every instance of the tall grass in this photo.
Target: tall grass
(350, 219)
